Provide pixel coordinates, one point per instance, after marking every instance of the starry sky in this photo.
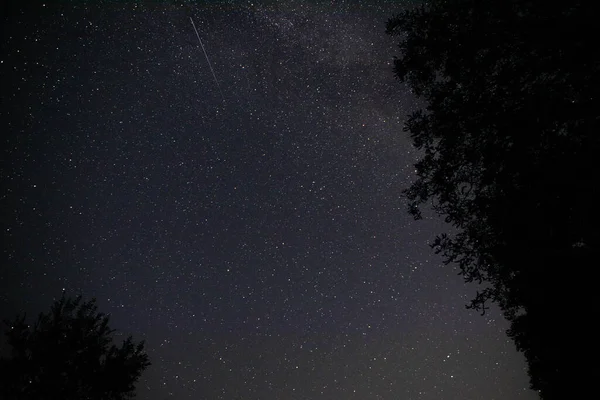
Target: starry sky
(246, 221)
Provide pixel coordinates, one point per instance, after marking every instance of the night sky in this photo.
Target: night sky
(250, 228)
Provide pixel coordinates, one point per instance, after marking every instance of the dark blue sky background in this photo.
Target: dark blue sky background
(257, 239)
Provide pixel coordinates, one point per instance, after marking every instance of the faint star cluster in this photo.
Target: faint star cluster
(259, 244)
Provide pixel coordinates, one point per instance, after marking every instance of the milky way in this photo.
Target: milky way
(256, 239)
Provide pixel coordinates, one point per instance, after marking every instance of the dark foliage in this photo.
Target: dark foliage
(510, 145)
(68, 354)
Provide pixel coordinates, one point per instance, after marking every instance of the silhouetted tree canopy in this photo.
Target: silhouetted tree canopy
(509, 141)
(68, 354)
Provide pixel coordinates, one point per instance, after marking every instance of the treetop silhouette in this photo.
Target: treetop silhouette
(509, 141)
(68, 354)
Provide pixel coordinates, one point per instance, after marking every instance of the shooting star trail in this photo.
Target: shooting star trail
(207, 60)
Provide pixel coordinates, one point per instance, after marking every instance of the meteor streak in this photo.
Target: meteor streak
(207, 60)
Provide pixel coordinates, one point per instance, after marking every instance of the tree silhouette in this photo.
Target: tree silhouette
(68, 354)
(509, 140)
